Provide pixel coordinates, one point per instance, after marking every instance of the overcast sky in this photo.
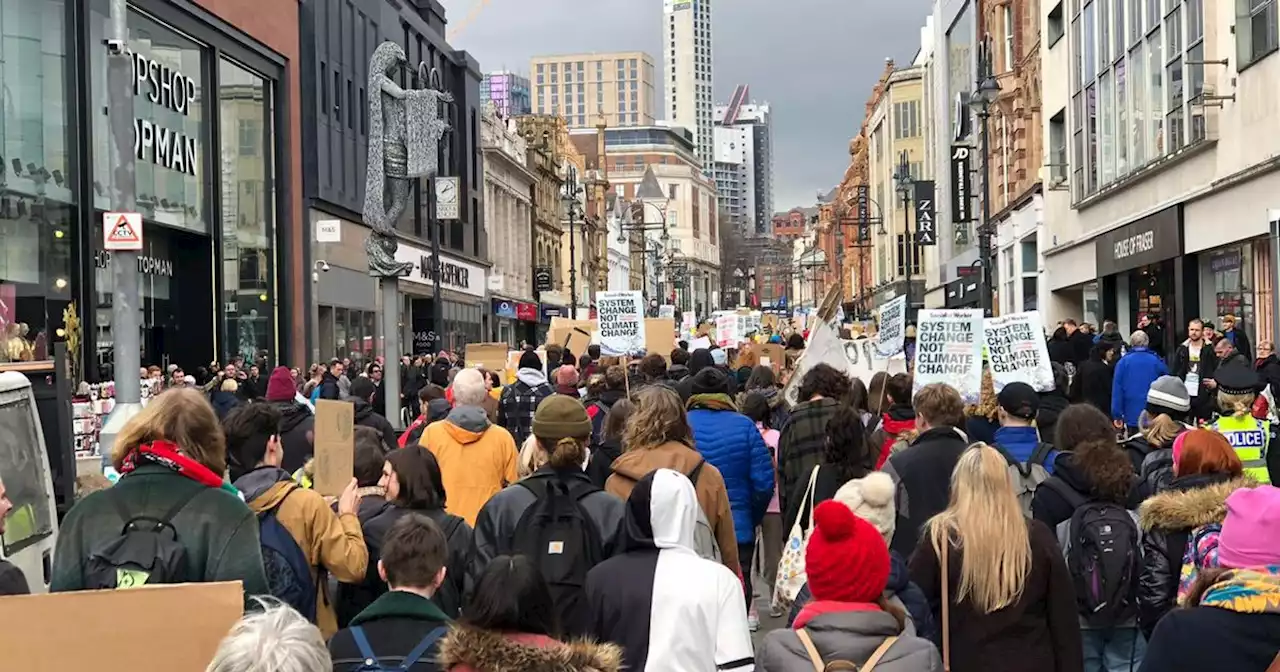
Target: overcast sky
(814, 61)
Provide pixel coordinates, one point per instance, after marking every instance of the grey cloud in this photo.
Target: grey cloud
(815, 61)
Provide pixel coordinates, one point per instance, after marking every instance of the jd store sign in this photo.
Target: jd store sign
(1150, 240)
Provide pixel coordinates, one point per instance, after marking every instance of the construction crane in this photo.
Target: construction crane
(471, 16)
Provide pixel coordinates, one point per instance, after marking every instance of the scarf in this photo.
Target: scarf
(165, 454)
(711, 402)
(817, 608)
(1246, 591)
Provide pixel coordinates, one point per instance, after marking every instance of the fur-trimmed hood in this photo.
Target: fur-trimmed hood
(1185, 509)
(486, 651)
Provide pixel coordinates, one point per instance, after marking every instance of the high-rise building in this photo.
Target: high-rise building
(687, 74)
(583, 87)
(744, 161)
(508, 92)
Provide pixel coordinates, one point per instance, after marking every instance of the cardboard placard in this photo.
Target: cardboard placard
(660, 336)
(773, 354)
(335, 446)
(82, 630)
(572, 335)
(492, 356)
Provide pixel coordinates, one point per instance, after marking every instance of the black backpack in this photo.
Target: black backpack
(1102, 546)
(558, 535)
(285, 564)
(147, 552)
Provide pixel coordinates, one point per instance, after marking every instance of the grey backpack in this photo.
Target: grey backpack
(1027, 477)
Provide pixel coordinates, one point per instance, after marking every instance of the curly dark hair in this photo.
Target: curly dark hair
(653, 366)
(825, 380)
(1079, 423)
(847, 448)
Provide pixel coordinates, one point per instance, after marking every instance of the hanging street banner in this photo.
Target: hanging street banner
(1017, 351)
(893, 327)
(949, 350)
(926, 209)
(621, 319)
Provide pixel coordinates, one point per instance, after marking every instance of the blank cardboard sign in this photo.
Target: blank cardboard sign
(492, 356)
(335, 446)
(175, 628)
(660, 336)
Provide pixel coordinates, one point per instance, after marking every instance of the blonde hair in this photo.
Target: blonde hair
(532, 457)
(986, 523)
(659, 418)
(1238, 405)
(183, 416)
(1160, 430)
(229, 385)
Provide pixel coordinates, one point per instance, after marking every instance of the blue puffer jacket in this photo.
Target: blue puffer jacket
(1134, 373)
(732, 444)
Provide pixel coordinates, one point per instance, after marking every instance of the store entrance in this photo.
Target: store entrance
(175, 283)
(1151, 295)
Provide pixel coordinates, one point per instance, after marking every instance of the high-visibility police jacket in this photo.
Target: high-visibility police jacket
(1250, 438)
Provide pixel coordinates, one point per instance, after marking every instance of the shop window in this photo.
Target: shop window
(248, 207)
(1228, 289)
(170, 118)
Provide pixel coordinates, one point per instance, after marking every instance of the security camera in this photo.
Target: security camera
(324, 266)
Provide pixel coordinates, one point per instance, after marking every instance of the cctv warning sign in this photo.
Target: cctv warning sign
(122, 231)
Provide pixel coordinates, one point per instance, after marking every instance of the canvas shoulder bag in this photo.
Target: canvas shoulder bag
(791, 575)
(842, 665)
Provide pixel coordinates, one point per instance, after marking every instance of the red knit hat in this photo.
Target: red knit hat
(846, 560)
(280, 385)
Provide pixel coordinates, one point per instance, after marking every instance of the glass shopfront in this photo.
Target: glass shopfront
(1226, 286)
(38, 204)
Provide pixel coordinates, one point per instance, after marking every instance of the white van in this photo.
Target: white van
(31, 528)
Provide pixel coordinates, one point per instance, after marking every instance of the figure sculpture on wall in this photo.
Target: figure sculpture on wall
(405, 128)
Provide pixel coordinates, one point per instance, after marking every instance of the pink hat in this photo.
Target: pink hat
(1251, 532)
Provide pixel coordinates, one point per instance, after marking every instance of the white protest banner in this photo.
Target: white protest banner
(688, 322)
(857, 359)
(1017, 351)
(949, 350)
(621, 319)
(893, 327)
(727, 330)
(702, 343)
(667, 310)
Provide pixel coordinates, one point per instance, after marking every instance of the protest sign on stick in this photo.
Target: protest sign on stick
(893, 327)
(620, 316)
(949, 350)
(660, 336)
(1017, 351)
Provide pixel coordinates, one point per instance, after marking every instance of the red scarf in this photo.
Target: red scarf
(819, 607)
(165, 454)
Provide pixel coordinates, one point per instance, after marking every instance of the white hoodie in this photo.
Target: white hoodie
(671, 610)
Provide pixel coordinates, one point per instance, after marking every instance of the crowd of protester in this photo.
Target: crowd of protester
(636, 515)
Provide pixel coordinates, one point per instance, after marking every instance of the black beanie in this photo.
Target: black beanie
(700, 359)
(710, 380)
(530, 360)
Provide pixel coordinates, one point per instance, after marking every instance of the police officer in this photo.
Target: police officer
(1237, 386)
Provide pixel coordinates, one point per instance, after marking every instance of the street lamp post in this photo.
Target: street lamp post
(569, 195)
(982, 99)
(906, 184)
(642, 227)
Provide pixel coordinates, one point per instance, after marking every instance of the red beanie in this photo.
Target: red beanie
(846, 560)
(280, 385)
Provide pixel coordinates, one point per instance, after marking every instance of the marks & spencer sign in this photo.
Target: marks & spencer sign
(1150, 240)
(455, 274)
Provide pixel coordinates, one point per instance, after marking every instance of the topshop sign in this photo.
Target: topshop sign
(168, 88)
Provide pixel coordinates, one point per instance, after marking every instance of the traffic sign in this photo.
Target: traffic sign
(122, 231)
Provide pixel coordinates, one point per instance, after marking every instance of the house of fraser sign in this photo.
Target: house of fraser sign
(169, 88)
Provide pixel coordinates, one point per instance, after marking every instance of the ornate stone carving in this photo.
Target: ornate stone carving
(405, 128)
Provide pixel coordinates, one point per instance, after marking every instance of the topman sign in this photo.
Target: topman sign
(168, 88)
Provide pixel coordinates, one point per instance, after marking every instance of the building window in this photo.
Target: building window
(1056, 27)
(1256, 30)
(914, 250)
(1008, 37)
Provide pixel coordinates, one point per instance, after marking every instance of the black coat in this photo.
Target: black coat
(366, 416)
(1092, 385)
(1081, 346)
(824, 488)
(600, 466)
(923, 475)
(1181, 365)
(1061, 350)
(1241, 341)
(329, 387)
(1269, 373)
(395, 624)
(297, 434)
(1209, 638)
(12, 580)
(375, 522)
(1052, 404)
(1051, 505)
(1167, 519)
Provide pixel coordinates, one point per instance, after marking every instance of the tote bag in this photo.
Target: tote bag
(791, 576)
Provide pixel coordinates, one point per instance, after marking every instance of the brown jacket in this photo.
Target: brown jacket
(634, 465)
(330, 541)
